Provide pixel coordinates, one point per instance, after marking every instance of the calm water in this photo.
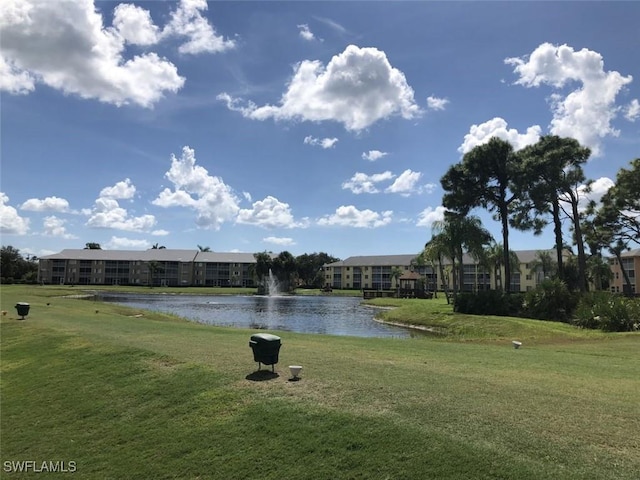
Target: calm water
(304, 314)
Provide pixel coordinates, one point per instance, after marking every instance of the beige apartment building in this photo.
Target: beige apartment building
(631, 265)
(383, 272)
(154, 267)
(169, 267)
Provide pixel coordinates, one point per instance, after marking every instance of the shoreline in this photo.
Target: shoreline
(413, 326)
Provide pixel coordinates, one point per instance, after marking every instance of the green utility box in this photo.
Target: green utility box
(266, 348)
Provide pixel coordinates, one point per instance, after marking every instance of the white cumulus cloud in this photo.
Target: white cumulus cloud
(123, 243)
(269, 213)
(350, 216)
(497, 127)
(213, 200)
(134, 24)
(373, 155)
(306, 33)
(593, 192)
(435, 103)
(406, 183)
(13, 79)
(320, 142)
(430, 215)
(363, 183)
(65, 45)
(107, 212)
(187, 21)
(48, 204)
(54, 227)
(632, 111)
(281, 241)
(123, 190)
(10, 222)
(586, 113)
(357, 88)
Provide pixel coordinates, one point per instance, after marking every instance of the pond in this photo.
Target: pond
(303, 314)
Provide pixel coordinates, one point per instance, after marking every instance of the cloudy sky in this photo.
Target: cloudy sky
(300, 126)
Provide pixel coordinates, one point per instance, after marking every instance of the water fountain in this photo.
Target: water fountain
(272, 285)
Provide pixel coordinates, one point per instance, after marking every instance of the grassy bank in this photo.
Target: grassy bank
(439, 317)
(61, 290)
(129, 394)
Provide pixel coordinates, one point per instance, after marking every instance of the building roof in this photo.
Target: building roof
(525, 256)
(152, 254)
(225, 257)
(529, 256)
(410, 276)
(374, 260)
(95, 254)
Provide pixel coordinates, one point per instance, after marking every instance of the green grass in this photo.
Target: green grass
(60, 290)
(158, 397)
(439, 317)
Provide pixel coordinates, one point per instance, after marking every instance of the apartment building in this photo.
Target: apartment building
(631, 266)
(383, 272)
(154, 267)
(169, 267)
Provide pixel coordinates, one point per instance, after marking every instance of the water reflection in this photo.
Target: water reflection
(304, 314)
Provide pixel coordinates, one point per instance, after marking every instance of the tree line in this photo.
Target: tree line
(304, 270)
(16, 268)
(540, 185)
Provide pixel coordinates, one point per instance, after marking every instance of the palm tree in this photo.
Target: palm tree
(599, 271)
(263, 264)
(514, 264)
(544, 265)
(284, 268)
(154, 268)
(204, 249)
(434, 251)
(462, 233)
(396, 273)
(493, 259)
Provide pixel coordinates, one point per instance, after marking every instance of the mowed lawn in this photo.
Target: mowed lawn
(132, 394)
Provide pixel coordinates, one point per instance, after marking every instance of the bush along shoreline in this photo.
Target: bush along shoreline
(552, 300)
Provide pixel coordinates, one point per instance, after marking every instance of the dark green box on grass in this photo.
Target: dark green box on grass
(266, 348)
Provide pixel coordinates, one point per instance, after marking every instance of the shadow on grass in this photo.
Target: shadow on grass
(262, 375)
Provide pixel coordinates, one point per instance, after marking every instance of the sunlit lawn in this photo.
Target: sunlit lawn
(152, 396)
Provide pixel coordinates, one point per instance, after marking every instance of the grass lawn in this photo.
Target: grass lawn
(130, 394)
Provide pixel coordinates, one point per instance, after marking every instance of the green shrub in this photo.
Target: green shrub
(489, 302)
(551, 300)
(609, 312)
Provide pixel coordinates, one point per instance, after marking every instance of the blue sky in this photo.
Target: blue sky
(299, 126)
